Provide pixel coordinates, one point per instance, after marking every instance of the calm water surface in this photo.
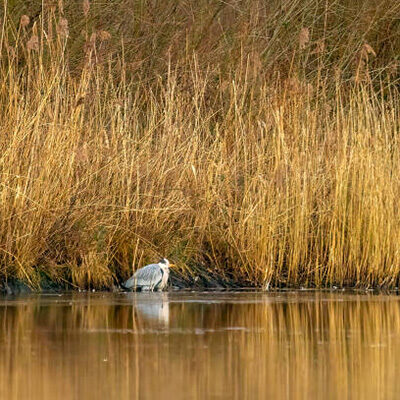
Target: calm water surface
(176, 345)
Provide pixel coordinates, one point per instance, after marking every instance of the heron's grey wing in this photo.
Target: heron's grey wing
(150, 275)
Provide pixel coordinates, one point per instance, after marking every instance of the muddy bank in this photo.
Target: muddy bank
(17, 287)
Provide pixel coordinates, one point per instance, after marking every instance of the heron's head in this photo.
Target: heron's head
(165, 262)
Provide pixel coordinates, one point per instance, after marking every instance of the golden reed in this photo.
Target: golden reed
(255, 145)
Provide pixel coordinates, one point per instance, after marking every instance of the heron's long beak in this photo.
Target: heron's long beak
(172, 265)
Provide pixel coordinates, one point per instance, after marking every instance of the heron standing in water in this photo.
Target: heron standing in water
(150, 278)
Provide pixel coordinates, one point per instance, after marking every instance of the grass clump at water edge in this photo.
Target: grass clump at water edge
(252, 144)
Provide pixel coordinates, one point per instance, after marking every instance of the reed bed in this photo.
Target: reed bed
(253, 144)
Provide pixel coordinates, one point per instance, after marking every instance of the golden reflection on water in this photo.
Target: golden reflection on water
(200, 346)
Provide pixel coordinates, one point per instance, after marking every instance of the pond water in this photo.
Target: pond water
(179, 345)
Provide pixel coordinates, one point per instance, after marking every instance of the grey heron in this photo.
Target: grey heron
(150, 277)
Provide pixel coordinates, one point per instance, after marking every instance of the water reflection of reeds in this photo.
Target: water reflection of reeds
(281, 347)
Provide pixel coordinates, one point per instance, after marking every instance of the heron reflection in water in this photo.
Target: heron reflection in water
(153, 308)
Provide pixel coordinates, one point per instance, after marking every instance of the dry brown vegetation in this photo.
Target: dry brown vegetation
(251, 142)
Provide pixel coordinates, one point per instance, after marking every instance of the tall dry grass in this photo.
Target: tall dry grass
(251, 143)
